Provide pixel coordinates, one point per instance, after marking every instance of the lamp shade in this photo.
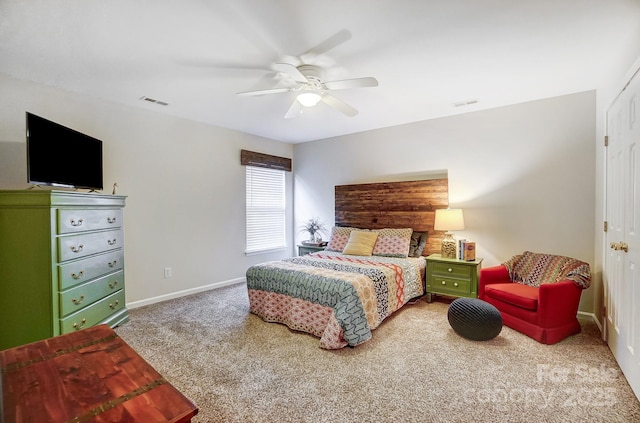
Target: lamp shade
(449, 220)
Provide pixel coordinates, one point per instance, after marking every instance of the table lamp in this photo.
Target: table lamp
(448, 220)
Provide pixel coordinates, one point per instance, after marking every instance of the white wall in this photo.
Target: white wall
(524, 174)
(183, 179)
(506, 166)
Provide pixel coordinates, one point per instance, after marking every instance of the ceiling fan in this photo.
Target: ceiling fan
(308, 80)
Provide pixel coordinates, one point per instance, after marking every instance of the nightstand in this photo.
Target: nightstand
(308, 249)
(452, 277)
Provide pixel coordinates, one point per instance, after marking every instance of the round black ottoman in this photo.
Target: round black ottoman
(474, 319)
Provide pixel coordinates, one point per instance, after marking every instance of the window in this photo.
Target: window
(265, 190)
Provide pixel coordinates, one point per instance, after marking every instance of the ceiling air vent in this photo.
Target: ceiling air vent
(153, 100)
(465, 103)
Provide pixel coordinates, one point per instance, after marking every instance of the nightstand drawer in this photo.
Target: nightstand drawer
(452, 286)
(308, 249)
(452, 270)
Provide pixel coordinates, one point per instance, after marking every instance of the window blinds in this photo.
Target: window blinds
(265, 215)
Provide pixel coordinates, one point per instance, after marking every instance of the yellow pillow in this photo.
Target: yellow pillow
(360, 243)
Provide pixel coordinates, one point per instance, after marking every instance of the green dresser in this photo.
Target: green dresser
(452, 277)
(61, 263)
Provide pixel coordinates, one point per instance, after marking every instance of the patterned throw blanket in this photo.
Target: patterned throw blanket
(312, 292)
(535, 269)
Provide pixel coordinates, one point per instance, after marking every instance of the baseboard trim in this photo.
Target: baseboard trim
(592, 316)
(184, 293)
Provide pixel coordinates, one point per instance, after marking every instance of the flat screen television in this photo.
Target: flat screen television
(60, 156)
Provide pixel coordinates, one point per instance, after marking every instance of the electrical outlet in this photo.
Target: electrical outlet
(168, 272)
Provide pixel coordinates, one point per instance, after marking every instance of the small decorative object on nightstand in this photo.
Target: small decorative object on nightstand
(448, 220)
(314, 228)
(452, 277)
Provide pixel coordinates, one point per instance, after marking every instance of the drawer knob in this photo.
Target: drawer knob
(112, 263)
(111, 241)
(78, 275)
(78, 302)
(112, 306)
(444, 282)
(111, 220)
(449, 270)
(77, 249)
(455, 284)
(113, 284)
(76, 326)
(75, 222)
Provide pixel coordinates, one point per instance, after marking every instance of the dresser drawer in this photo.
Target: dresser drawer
(453, 286)
(70, 221)
(81, 296)
(80, 271)
(93, 314)
(76, 246)
(452, 270)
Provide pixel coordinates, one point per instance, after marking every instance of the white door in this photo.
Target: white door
(622, 264)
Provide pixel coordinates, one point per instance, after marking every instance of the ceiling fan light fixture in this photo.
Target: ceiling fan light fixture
(309, 99)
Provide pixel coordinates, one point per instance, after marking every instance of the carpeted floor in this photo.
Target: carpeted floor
(237, 368)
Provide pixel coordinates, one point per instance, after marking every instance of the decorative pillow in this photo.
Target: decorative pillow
(393, 242)
(418, 242)
(339, 238)
(360, 243)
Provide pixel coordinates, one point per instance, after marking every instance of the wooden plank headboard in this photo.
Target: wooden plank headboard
(407, 204)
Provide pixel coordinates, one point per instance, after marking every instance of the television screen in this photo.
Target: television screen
(60, 156)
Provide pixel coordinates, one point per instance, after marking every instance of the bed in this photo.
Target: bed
(373, 265)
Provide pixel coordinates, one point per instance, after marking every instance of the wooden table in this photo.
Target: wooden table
(91, 375)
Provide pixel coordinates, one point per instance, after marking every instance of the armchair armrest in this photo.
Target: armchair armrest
(558, 302)
(489, 275)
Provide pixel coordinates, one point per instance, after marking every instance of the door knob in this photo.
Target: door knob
(618, 246)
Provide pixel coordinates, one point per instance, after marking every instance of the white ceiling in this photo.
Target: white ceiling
(426, 55)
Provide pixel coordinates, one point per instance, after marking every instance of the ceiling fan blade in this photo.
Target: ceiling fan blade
(328, 44)
(339, 104)
(294, 110)
(263, 92)
(352, 83)
(290, 70)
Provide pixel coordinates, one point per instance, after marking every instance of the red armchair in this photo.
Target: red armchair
(537, 294)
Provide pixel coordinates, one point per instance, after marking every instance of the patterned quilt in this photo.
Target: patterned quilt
(336, 297)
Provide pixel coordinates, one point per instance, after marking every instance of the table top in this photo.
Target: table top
(91, 375)
(438, 257)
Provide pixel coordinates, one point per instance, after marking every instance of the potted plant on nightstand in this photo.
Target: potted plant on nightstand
(314, 228)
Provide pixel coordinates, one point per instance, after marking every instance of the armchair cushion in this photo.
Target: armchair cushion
(523, 296)
(535, 269)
